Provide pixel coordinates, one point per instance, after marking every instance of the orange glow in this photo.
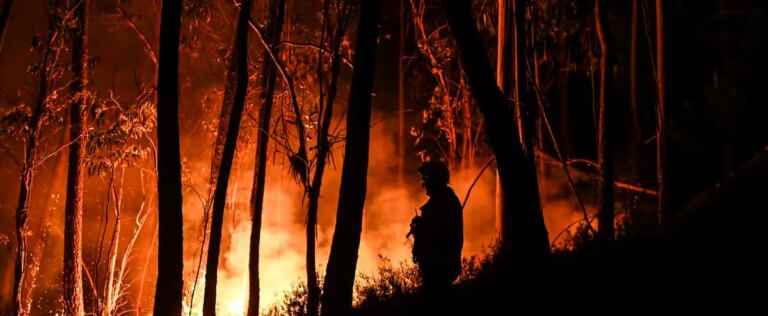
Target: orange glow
(389, 208)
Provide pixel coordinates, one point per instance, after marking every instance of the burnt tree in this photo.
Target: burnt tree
(524, 234)
(27, 173)
(661, 120)
(268, 82)
(637, 132)
(323, 143)
(342, 261)
(402, 137)
(605, 136)
(235, 90)
(170, 259)
(78, 127)
(504, 79)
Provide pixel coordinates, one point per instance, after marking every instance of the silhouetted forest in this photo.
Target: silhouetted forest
(260, 157)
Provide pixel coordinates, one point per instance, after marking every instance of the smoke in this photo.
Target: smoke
(389, 207)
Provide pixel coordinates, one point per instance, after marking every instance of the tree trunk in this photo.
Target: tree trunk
(519, 73)
(516, 86)
(468, 148)
(268, 81)
(401, 96)
(5, 13)
(44, 227)
(524, 233)
(661, 127)
(563, 83)
(342, 261)
(73, 212)
(170, 258)
(143, 276)
(503, 50)
(323, 150)
(604, 152)
(111, 291)
(235, 91)
(121, 281)
(27, 175)
(537, 120)
(637, 133)
(636, 143)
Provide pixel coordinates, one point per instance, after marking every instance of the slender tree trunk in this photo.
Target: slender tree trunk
(401, 95)
(141, 218)
(170, 253)
(563, 83)
(604, 152)
(268, 82)
(73, 213)
(637, 134)
(661, 128)
(519, 90)
(111, 291)
(636, 144)
(22, 214)
(521, 86)
(231, 111)
(342, 261)
(537, 120)
(524, 67)
(5, 13)
(27, 175)
(143, 276)
(524, 233)
(99, 304)
(313, 288)
(37, 252)
(323, 150)
(504, 50)
(468, 148)
(519, 77)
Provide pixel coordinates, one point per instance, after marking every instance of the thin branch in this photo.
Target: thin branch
(592, 175)
(302, 151)
(560, 156)
(90, 280)
(56, 152)
(266, 133)
(568, 228)
(45, 138)
(477, 178)
(588, 163)
(143, 38)
(636, 188)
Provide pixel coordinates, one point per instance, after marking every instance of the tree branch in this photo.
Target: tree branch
(301, 153)
(143, 38)
(55, 152)
(593, 175)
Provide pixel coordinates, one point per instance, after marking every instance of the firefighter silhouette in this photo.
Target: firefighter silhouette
(437, 230)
